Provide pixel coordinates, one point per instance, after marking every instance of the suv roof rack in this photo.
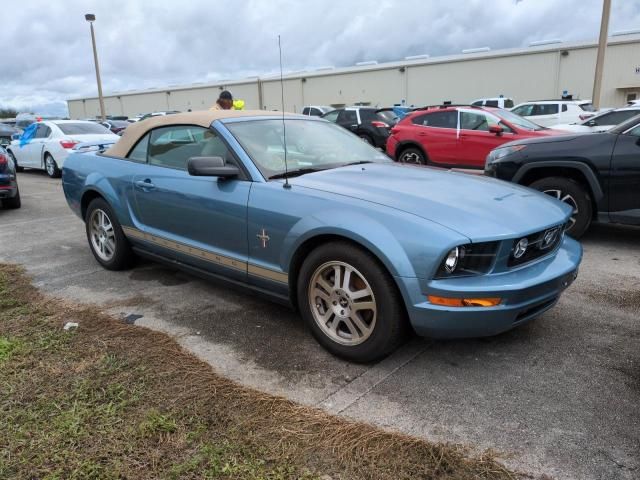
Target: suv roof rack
(448, 105)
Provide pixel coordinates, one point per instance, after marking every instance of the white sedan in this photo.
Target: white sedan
(53, 140)
(602, 122)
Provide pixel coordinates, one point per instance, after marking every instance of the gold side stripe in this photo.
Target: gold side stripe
(208, 256)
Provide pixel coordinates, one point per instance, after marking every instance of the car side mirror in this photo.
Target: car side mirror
(497, 129)
(211, 167)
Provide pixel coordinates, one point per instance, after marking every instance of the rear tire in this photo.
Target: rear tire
(106, 239)
(412, 156)
(361, 316)
(13, 202)
(571, 192)
(51, 166)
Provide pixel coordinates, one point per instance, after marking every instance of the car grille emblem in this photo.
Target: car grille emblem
(521, 248)
(549, 237)
(263, 237)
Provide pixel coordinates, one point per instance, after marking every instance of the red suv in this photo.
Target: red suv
(458, 136)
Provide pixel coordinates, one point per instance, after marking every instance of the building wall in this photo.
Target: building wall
(523, 75)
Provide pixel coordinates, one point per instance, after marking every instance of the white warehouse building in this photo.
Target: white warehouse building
(542, 71)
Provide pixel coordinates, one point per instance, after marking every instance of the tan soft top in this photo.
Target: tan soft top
(204, 118)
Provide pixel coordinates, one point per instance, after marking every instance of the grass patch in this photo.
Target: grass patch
(113, 401)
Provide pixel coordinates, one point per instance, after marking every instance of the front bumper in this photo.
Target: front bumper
(526, 293)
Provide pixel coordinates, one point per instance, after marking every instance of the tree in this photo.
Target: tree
(8, 112)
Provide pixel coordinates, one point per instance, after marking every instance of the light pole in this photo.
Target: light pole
(90, 17)
(602, 46)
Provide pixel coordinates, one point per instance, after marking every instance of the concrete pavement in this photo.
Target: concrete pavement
(559, 396)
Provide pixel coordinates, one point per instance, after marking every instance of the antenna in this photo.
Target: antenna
(284, 127)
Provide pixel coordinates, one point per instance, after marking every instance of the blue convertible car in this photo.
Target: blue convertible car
(307, 213)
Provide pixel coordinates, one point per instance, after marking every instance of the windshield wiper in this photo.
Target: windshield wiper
(361, 162)
(294, 173)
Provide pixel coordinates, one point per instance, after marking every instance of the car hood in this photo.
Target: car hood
(478, 207)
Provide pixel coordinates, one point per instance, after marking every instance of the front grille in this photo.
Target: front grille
(539, 244)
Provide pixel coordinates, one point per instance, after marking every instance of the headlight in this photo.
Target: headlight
(451, 262)
(501, 152)
(469, 259)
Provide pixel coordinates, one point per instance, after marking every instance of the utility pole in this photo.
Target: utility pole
(602, 46)
(89, 17)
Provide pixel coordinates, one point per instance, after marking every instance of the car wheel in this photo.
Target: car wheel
(106, 239)
(412, 156)
(572, 193)
(13, 202)
(51, 166)
(366, 138)
(15, 162)
(350, 303)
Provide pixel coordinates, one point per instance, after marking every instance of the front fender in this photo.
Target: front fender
(406, 245)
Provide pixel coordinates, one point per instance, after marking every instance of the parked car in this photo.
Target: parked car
(116, 126)
(371, 124)
(496, 102)
(457, 136)
(316, 110)
(553, 112)
(51, 141)
(157, 114)
(6, 133)
(363, 247)
(9, 191)
(597, 175)
(601, 122)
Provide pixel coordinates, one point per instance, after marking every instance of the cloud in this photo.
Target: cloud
(148, 43)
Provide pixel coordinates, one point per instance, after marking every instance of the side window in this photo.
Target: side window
(508, 103)
(492, 103)
(332, 116)
(139, 152)
(438, 119)
(635, 131)
(315, 112)
(565, 108)
(348, 117)
(305, 111)
(42, 131)
(474, 121)
(524, 110)
(477, 103)
(614, 118)
(173, 146)
(545, 109)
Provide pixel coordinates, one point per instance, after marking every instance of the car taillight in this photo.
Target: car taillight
(3, 160)
(376, 123)
(68, 143)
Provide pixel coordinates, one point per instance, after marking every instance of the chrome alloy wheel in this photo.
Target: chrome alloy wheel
(342, 303)
(410, 157)
(566, 198)
(103, 238)
(50, 165)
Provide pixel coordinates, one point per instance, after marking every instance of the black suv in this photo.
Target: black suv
(370, 124)
(598, 174)
(9, 193)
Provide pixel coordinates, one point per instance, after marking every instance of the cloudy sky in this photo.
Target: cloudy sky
(47, 54)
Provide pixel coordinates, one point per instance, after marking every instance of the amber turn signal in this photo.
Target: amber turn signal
(464, 302)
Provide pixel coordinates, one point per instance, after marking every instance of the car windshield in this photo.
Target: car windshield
(119, 123)
(517, 120)
(388, 116)
(587, 107)
(311, 146)
(624, 126)
(84, 128)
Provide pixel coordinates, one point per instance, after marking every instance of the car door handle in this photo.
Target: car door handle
(145, 185)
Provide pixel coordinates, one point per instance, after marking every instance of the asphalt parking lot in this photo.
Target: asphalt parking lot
(558, 396)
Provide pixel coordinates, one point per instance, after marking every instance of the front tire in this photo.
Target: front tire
(51, 166)
(106, 239)
(571, 192)
(412, 156)
(350, 303)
